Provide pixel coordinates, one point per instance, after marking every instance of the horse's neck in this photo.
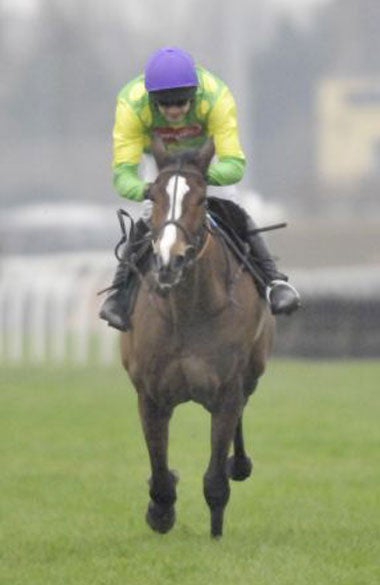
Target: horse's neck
(205, 291)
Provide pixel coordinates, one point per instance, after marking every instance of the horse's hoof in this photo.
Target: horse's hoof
(161, 519)
(239, 469)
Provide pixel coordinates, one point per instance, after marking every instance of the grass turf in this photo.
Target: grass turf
(73, 489)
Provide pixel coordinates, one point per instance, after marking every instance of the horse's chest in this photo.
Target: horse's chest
(180, 376)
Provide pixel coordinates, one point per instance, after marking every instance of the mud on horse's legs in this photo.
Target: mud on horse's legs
(161, 512)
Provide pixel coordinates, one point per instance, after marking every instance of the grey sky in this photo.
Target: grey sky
(297, 7)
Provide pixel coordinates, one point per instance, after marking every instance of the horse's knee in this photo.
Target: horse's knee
(216, 489)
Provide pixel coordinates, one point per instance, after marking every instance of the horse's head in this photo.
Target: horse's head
(179, 210)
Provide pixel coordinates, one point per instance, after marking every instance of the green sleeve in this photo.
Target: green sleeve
(127, 182)
(226, 171)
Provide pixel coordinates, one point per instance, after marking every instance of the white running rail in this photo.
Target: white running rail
(49, 309)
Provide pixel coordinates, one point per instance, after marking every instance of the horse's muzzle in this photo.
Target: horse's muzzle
(169, 275)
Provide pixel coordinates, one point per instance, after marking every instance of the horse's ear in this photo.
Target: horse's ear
(159, 151)
(205, 155)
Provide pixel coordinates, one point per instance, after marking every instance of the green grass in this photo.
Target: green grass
(74, 468)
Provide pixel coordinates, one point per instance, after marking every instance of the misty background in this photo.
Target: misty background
(306, 77)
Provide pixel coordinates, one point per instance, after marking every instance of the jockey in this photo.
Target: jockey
(185, 104)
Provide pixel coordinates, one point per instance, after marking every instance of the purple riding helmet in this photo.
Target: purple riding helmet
(171, 73)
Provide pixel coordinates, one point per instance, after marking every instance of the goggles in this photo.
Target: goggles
(177, 97)
(179, 103)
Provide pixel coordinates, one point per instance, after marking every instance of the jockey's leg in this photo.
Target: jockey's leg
(118, 306)
(282, 296)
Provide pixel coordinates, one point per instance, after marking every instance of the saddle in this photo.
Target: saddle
(231, 218)
(232, 222)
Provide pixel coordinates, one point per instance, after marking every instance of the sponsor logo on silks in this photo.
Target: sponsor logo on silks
(169, 134)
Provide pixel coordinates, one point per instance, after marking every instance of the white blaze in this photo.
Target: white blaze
(176, 188)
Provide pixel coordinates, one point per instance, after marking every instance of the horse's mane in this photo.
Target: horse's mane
(199, 158)
(181, 158)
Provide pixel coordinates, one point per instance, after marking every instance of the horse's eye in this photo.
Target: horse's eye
(201, 201)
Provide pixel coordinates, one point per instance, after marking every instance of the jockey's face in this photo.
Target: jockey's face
(174, 113)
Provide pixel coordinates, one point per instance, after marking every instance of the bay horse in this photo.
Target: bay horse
(200, 332)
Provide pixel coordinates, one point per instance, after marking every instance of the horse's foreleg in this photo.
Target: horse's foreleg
(155, 422)
(239, 465)
(216, 484)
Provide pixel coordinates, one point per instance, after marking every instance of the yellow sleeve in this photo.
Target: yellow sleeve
(128, 137)
(223, 126)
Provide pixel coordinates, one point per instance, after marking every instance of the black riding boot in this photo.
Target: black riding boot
(118, 306)
(282, 296)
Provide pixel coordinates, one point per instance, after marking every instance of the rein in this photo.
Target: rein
(132, 260)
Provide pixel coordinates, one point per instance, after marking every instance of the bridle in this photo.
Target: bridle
(197, 241)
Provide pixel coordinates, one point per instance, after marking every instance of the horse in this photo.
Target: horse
(200, 332)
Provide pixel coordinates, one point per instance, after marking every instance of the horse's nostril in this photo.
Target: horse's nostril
(177, 262)
(169, 274)
(190, 252)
